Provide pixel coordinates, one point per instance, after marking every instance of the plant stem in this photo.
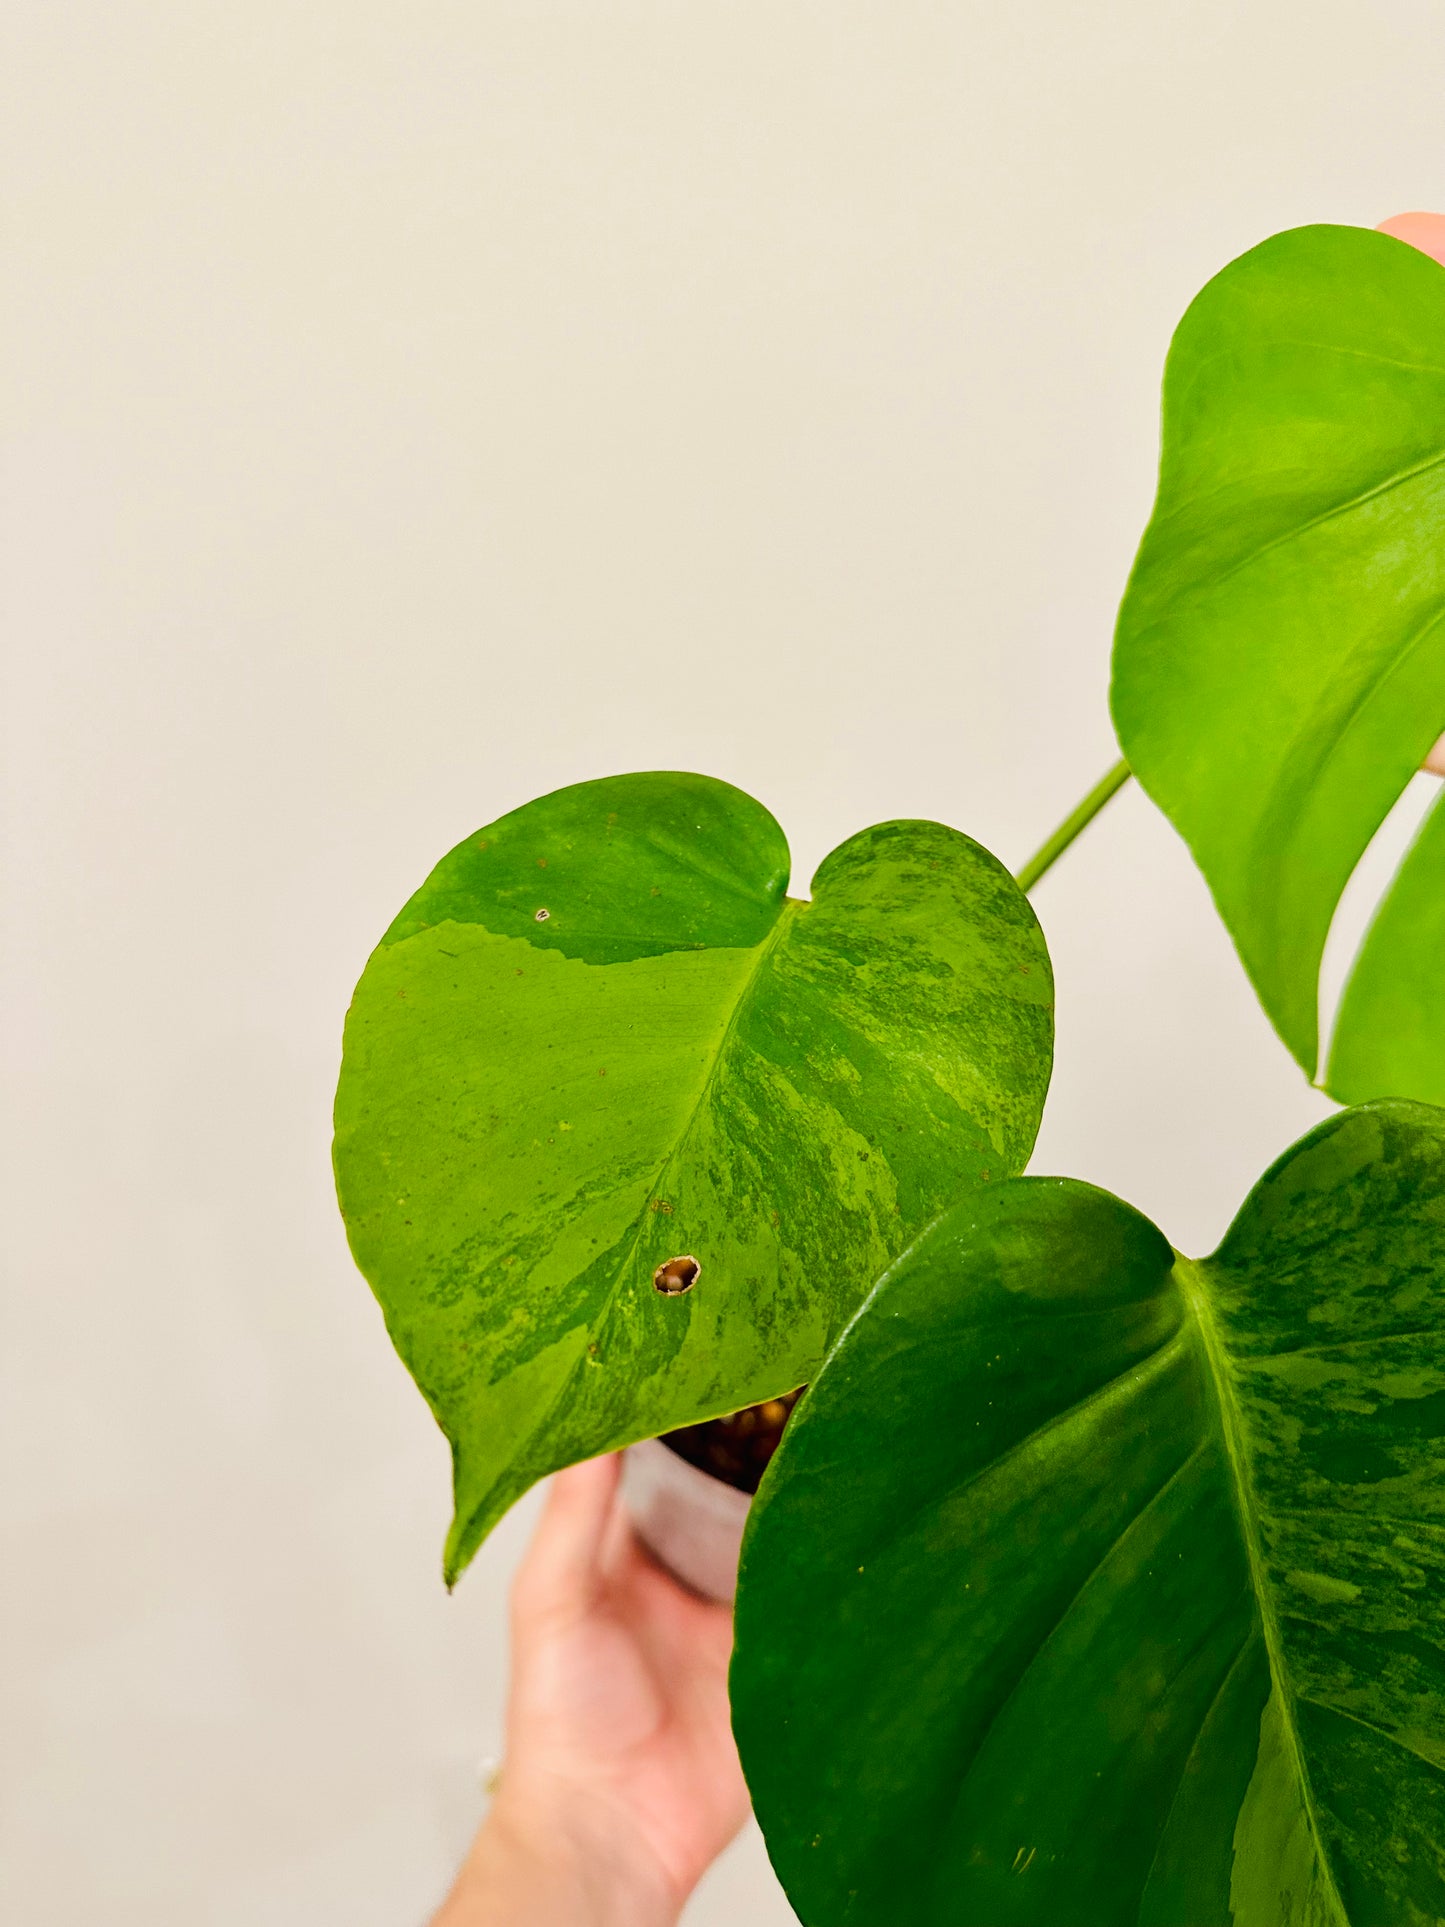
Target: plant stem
(1078, 819)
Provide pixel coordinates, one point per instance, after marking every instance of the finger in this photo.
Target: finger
(1423, 231)
(562, 1572)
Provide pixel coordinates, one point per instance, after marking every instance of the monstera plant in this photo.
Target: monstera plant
(1091, 1585)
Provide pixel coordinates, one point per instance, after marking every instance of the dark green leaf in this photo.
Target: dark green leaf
(1279, 669)
(1096, 1588)
(601, 1037)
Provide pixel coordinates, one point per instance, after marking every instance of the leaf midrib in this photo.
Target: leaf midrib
(1194, 1290)
(787, 912)
(786, 915)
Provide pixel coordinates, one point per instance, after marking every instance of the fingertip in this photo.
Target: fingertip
(579, 1499)
(1418, 230)
(587, 1475)
(561, 1565)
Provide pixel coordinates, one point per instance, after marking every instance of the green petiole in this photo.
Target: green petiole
(1078, 819)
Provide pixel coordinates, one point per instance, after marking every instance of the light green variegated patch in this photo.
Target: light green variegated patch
(601, 1038)
(1095, 1586)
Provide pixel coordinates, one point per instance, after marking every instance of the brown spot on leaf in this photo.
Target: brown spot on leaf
(542, 916)
(541, 863)
(662, 1205)
(676, 1276)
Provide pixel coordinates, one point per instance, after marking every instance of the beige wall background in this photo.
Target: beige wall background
(413, 408)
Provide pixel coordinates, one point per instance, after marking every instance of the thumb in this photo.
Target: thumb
(1423, 231)
(561, 1573)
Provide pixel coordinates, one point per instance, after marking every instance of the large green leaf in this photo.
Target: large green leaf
(1093, 1586)
(600, 1037)
(1279, 669)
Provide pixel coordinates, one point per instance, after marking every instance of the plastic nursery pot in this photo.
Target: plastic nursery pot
(689, 1492)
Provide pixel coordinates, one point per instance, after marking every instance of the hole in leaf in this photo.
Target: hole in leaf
(677, 1275)
(542, 916)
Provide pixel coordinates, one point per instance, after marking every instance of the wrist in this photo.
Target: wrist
(556, 1855)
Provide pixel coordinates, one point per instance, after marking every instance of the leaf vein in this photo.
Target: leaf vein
(1058, 1423)
(1372, 1726)
(1067, 1608)
(1225, 1677)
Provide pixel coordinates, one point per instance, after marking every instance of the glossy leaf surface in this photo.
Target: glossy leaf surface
(1092, 1588)
(1279, 667)
(601, 1038)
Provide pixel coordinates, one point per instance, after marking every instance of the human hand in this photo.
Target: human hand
(621, 1782)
